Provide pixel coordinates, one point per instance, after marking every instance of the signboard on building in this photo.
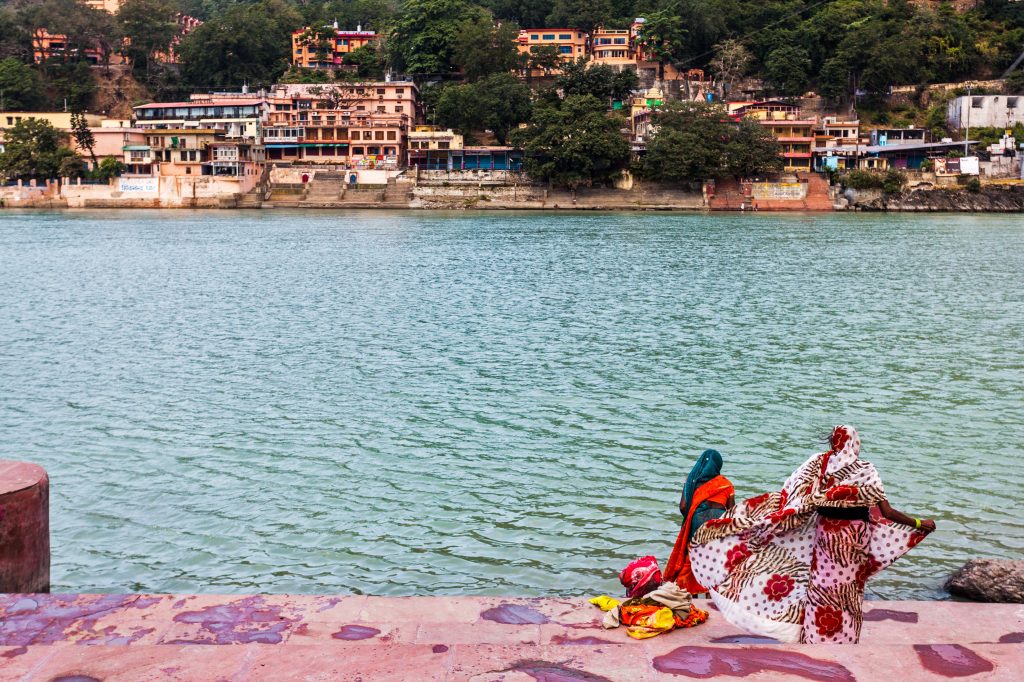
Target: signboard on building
(779, 191)
(138, 185)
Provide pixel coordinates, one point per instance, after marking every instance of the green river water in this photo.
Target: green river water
(492, 403)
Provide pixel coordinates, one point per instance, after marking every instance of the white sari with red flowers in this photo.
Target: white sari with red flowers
(778, 568)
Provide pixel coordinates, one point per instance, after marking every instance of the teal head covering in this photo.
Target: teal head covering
(707, 467)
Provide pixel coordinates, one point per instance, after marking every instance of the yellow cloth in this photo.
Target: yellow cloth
(658, 622)
(604, 602)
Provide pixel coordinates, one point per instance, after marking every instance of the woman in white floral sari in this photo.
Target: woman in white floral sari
(792, 565)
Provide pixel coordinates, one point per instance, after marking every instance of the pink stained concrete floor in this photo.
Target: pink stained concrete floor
(111, 637)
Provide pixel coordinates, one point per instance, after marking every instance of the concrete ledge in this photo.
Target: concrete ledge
(24, 527)
(132, 637)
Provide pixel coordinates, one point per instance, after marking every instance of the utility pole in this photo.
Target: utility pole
(970, 104)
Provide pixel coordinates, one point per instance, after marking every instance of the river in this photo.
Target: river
(492, 403)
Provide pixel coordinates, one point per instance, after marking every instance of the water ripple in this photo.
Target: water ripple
(399, 403)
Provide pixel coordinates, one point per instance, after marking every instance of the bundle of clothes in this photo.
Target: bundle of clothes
(651, 606)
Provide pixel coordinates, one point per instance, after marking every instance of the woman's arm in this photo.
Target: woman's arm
(927, 525)
(731, 502)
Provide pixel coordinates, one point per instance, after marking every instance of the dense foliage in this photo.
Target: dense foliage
(573, 142)
(838, 48)
(696, 141)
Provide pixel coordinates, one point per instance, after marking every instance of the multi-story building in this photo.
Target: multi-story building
(773, 110)
(570, 43)
(615, 47)
(986, 111)
(237, 116)
(796, 139)
(46, 45)
(911, 135)
(363, 125)
(833, 141)
(195, 153)
(306, 52)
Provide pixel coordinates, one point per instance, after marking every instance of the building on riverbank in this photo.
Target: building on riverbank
(985, 111)
(326, 47)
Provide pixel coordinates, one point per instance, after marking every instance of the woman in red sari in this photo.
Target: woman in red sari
(706, 495)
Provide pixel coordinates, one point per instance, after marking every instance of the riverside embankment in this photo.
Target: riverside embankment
(95, 638)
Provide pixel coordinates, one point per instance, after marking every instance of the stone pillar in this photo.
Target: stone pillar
(24, 527)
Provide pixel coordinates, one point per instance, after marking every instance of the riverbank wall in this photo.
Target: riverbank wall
(991, 198)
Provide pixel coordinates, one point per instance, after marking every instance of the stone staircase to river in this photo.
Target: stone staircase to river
(328, 189)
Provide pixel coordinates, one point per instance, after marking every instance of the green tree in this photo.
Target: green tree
(525, 13)
(246, 43)
(109, 168)
(602, 81)
(663, 36)
(83, 137)
(150, 26)
(425, 33)
(20, 85)
(34, 149)
(574, 143)
(350, 14)
(584, 15)
(370, 61)
(543, 58)
(787, 69)
(696, 141)
(481, 48)
(85, 29)
(498, 103)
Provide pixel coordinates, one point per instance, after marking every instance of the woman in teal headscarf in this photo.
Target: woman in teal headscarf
(706, 495)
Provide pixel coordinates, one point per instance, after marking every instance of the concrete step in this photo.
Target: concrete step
(275, 637)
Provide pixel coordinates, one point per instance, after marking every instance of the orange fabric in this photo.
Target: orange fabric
(718, 489)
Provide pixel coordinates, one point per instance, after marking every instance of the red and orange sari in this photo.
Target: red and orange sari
(719, 489)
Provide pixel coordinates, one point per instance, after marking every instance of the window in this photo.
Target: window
(444, 145)
(565, 36)
(188, 170)
(399, 109)
(357, 150)
(400, 91)
(534, 36)
(380, 91)
(548, 36)
(379, 135)
(391, 135)
(367, 135)
(381, 110)
(565, 49)
(976, 102)
(620, 41)
(1011, 102)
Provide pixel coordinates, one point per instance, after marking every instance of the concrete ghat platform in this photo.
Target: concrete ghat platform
(112, 637)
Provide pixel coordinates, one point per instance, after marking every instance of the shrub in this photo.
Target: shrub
(858, 179)
(893, 181)
(973, 185)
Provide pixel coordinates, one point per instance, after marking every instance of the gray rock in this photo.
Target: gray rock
(989, 580)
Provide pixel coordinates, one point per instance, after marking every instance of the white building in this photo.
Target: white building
(986, 111)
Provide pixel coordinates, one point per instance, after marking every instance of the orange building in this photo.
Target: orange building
(361, 125)
(570, 43)
(306, 55)
(796, 139)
